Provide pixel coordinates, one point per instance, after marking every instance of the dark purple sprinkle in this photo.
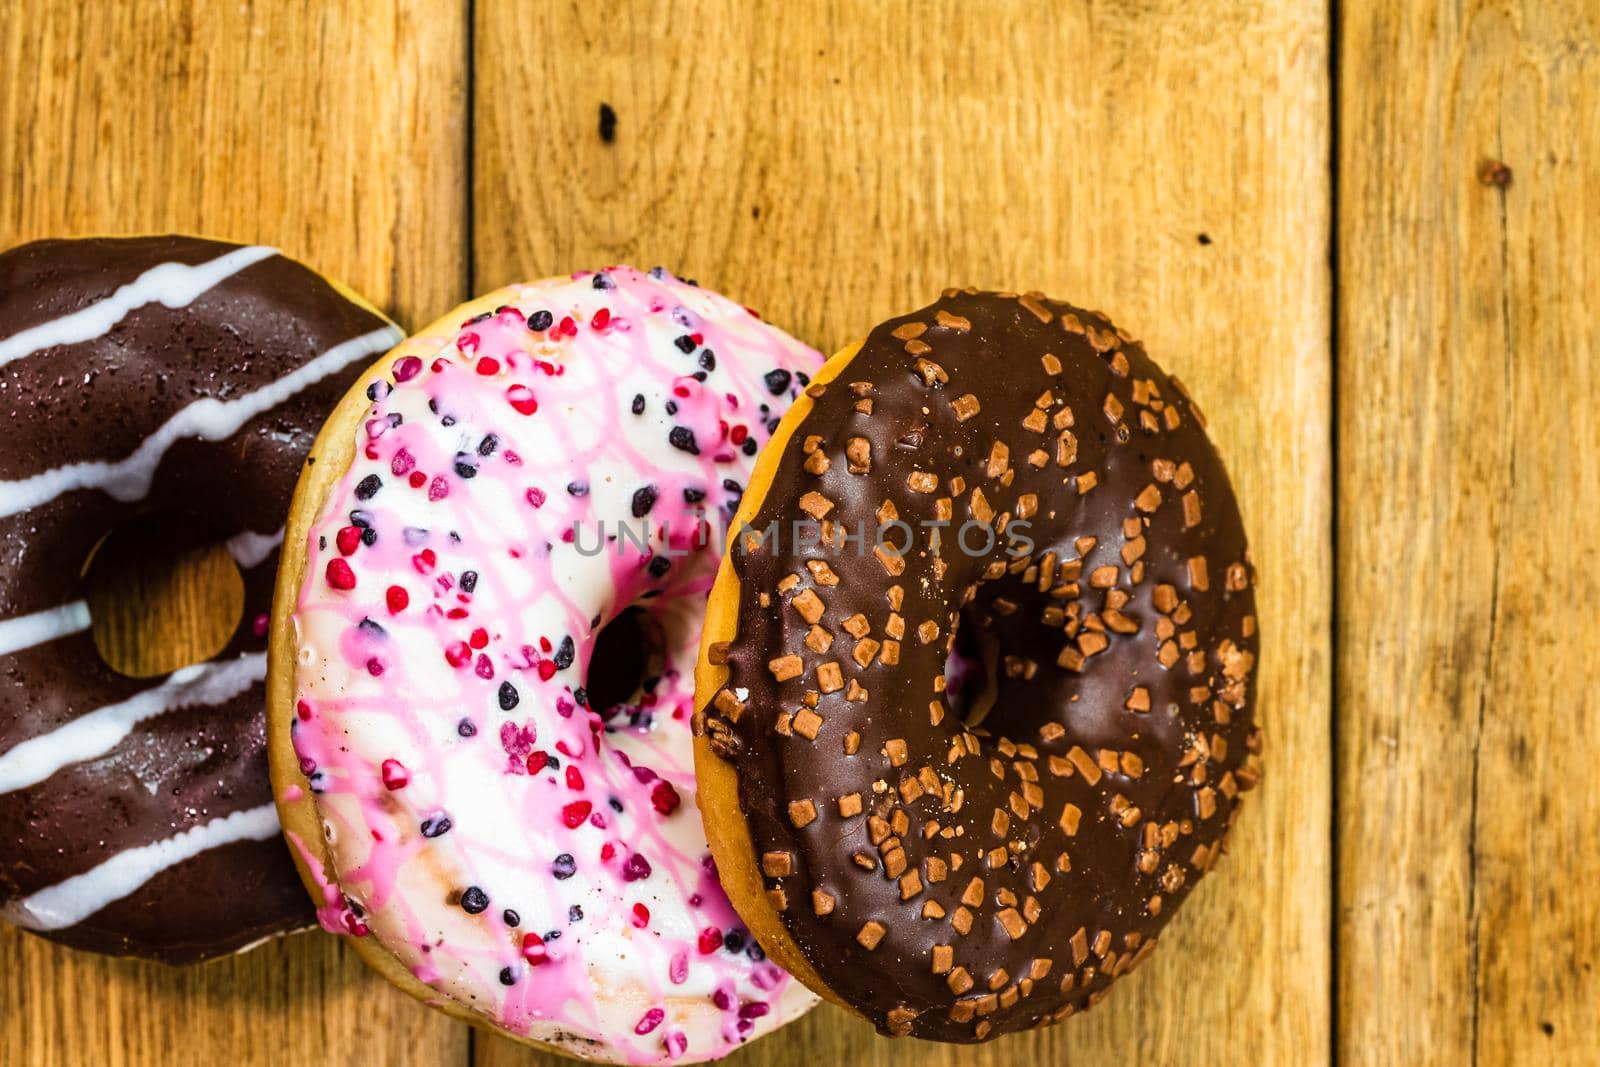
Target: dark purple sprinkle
(578, 488)
(685, 343)
(682, 438)
(564, 866)
(581, 695)
(575, 914)
(602, 280)
(377, 390)
(638, 403)
(487, 446)
(554, 764)
(659, 565)
(509, 697)
(369, 536)
(699, 375)
(474, 901)
(508, 976)
(708, 359)
(435, 825)
(635, 867)
(749, 446)
(465, 468)
(616, 805)
(322, 543)
(466, 728)
(448, 420)
(540, 321)
(368, 487)
(608, 123)
(777, 381)
(395, 419)
(564, 654)
(414, 535)
(802, 377)
(658, 273)
(772, 425)
(511, 918)
(469, 581)
(734, 940)
(361, 518)
(732, 486)
(672, 407)
(755, 951)
(482, 316)
(643, 500)
(371, 629)
(693, 496)
(553, 935)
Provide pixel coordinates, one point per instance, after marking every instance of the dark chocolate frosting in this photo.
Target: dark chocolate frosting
(244, 356)
(952, 878)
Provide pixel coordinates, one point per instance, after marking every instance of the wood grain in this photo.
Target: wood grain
(1469, 458)
(335, 133)
(832, 164)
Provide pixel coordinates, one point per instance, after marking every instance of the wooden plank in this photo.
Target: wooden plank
(833, 164)
(1469, 457)
(336, 135)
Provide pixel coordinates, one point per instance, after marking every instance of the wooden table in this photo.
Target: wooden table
(1399, 353)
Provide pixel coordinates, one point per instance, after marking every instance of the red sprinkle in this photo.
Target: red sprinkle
(537, 761)
(536, 497)
(710, 940)
(574, 814)
(424, 561)
(547, 668)
(395, 776)
(457, 654)
(602, 319)
(522, 399)
(417, 479)
(664, 797)
(641, 916)
(574, 777)
(479, 638)
(302, 709)
(488, 366)
(340, 576)
(533, 950)
(397, 599)
(348, 539)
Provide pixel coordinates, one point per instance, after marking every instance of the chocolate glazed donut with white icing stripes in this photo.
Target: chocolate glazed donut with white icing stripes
(179, 377)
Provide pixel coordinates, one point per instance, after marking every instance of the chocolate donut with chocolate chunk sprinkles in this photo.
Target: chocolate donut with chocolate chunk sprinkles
(976, 688)
(175, 381)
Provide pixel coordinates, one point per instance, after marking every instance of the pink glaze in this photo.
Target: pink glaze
(457, 579)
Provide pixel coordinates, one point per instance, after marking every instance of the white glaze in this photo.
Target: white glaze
(42, 627)
(174, 285)
(99, 731)
(208, 419)
(70, 902)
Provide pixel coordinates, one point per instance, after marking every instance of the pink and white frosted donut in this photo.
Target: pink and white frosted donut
(487, 500)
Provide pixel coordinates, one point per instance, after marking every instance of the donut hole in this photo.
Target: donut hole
(625, 663)
(969, 672)
(162, 594)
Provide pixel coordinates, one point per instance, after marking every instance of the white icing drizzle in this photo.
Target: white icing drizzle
(249, 548)
(174, 285)
(41, 627)
(208, 419)
(99, 731)
(70, 902)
